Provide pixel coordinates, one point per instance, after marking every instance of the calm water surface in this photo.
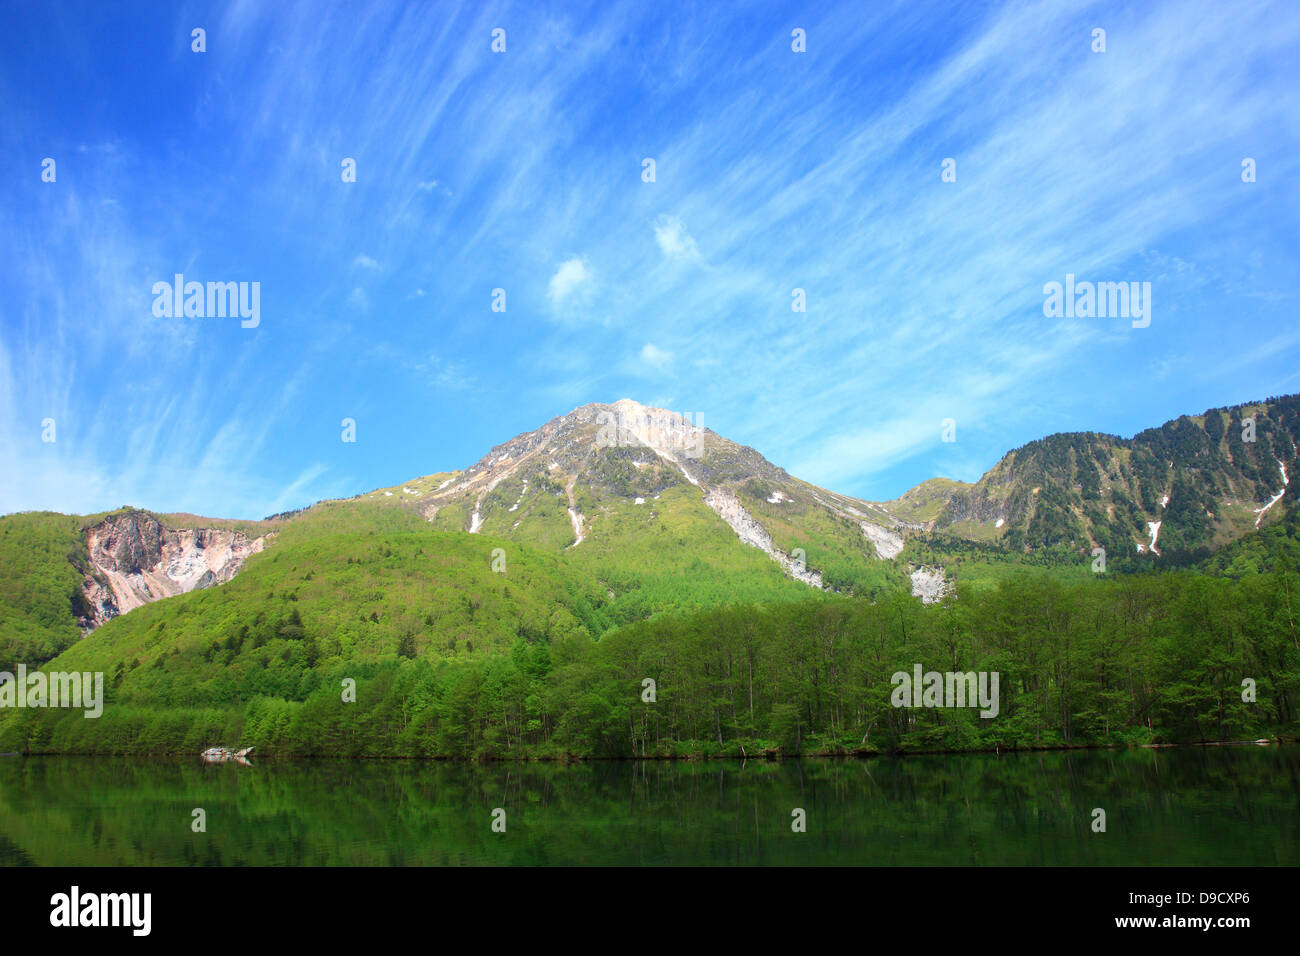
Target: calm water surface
(1194, 806)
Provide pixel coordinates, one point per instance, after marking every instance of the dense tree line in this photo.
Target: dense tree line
(1131, 659)
(43, 560)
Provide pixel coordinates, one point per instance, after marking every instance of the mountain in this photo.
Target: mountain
(1177, 492)
(606, 479)
(661, 515)
(517, 608)
(593, 483)
(921, 506)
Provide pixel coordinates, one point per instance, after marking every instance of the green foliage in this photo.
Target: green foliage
(1276, 545)
(1194, 806)
(672, 554)
(43, 559)
(454, 659)
(1198, 476)
(1120, 660)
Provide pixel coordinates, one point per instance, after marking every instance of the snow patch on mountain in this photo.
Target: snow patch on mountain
(522, 492)
(1275, 499)
(576, 517)
(667, 456)
(1154, 528)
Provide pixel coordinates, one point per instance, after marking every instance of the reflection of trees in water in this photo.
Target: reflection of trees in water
(1187, 806)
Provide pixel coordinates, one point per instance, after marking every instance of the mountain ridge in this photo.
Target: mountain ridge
(642, 500)
(476, 618)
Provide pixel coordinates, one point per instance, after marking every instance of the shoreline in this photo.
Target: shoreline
(766, 756)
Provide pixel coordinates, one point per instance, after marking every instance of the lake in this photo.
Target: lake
(1222, 806)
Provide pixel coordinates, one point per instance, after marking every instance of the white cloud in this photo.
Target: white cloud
(363, 261)
(674, 240)
(359, 300)
(659, 358)
(571, 275)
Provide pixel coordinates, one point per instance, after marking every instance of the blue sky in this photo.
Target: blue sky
(522, 170)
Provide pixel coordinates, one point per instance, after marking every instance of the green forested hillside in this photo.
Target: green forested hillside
(1126, 659)
(668, 553)
(1273, 546)
(1202, 477)
(40, 586)
(532, 637)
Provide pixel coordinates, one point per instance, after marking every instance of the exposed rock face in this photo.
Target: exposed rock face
(137, 560)
(730, 510)
(888, 544)
(101, 604)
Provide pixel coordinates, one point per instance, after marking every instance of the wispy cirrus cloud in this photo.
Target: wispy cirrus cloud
(776, 171)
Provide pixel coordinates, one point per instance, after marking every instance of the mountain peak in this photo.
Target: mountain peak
(625, 407)
(621, 474)
(631, 404)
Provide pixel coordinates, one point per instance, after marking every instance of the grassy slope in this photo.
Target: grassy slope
(40, 587)
(926, 501)
(669, 553)
(339, 598)
(672, 554)
(298, 619)
(833, 545)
